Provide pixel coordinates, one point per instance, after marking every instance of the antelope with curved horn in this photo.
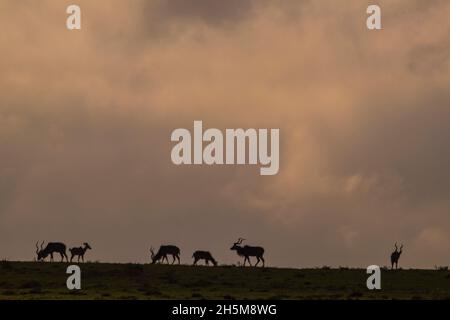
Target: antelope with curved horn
(248, 251)
(50, 249)
(395, 256)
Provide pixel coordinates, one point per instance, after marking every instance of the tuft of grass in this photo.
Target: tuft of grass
(5, 265)
(441, 268)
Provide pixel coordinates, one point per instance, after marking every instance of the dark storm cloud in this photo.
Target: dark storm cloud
(162, 18)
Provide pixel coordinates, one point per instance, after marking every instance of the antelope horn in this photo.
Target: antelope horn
(37, 248)
(42, 245)
(240, 240)
(152, 252)
(396, 248)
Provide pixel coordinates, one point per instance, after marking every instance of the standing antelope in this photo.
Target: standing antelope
(203, 255)
(395, 256)
(80, 251)
(248, 251)
(162, 253)
(51, 248)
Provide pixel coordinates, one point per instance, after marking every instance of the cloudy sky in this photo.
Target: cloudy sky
(86, 118)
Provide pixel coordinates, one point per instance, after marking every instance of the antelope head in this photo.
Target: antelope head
(87, 246)
(152, 253)
(41, 254)
(395, 247)
(236, 245)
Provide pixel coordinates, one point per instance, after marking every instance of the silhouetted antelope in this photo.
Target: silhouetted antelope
(80, 251)
(203, 255)
(248, 251)
(162, 253)
(395, 256)
(51, 248)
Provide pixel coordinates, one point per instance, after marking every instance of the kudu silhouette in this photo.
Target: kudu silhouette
(50, 249)
(162, 253)
(80, 251)
(395, 256)
(203, 255)
(248, 251)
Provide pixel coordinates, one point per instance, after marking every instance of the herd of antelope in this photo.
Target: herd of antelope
(170, 250)
(174, 251)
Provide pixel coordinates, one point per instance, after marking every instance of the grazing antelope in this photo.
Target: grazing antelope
(248, 251)
(50, 249)
(162, 253)
(204, 255)
(80, 251)
(395, 256)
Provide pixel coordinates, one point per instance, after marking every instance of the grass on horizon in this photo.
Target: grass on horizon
(32, 280)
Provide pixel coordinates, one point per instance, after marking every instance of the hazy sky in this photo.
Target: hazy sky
(86, 118)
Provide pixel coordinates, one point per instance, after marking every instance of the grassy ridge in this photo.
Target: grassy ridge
(30, 280)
